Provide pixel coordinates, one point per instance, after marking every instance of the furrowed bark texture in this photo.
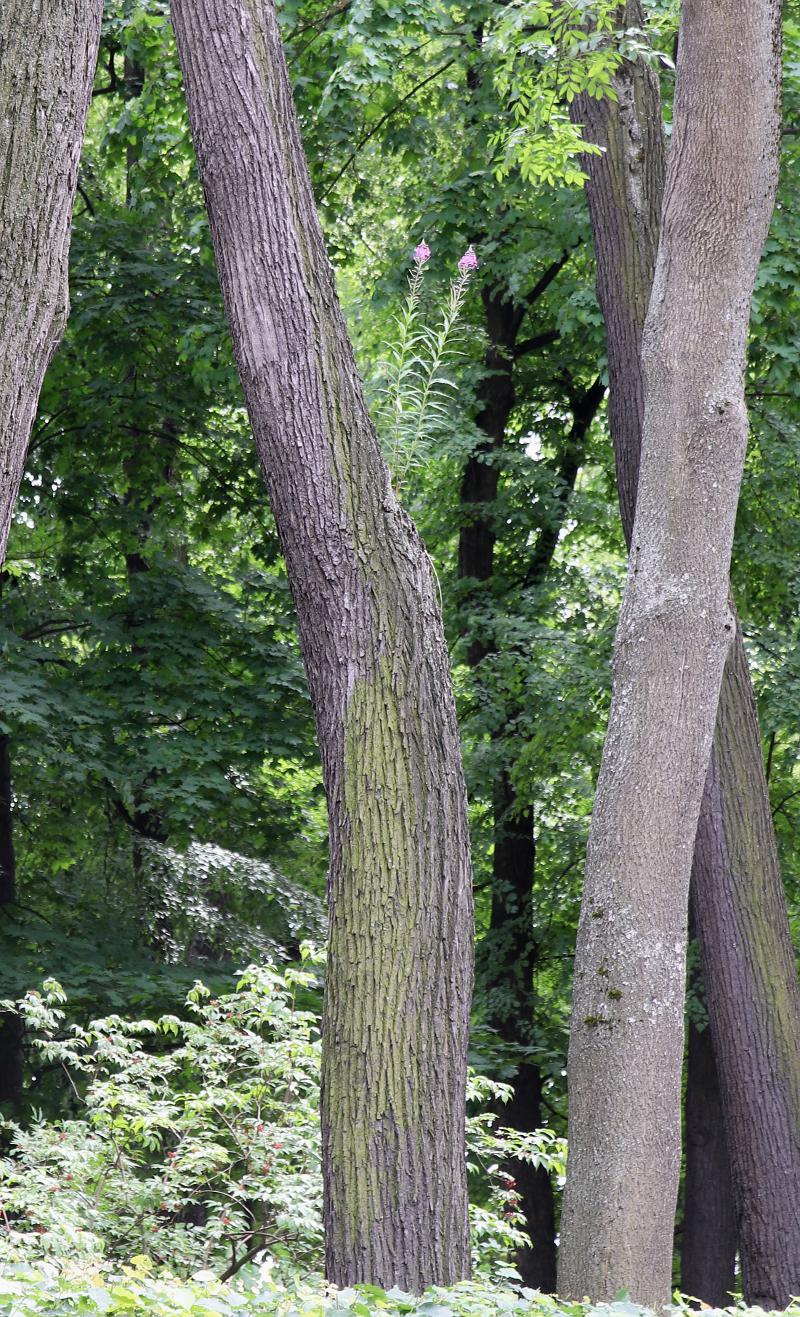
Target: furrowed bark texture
(752, 995)
(400, 965)
(709, 1235)
(745, 973)
(625, 191)
(626, 1042)
(47, 59)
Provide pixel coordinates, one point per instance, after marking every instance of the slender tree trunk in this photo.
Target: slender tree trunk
(746, 972)
(709, 1233)
(47, 60)
(625, 192)
(675, 630)
(10, 1025)
(507, 956)
(400, 965)
(507, 959)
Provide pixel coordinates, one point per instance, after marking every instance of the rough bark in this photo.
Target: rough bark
(752, 994)
(47, 60)
(400, 961)
(709, 1233)
(675, 630)
(759, 1080)
(625, 190)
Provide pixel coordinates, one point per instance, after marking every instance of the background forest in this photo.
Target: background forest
(162, 814)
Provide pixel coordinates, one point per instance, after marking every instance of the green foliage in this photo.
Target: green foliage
(194, 1138)
(548, 53)
(94, 1291)
(414, 384)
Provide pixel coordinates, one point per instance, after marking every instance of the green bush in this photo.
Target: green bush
(193, 1140)
(28, 1291)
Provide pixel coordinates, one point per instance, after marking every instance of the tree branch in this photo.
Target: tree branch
(376, 127)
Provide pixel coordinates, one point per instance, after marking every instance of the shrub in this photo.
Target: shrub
(193, 1140)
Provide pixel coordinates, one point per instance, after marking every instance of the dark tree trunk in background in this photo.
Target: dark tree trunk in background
(10, 1025)
(708, 1237)
(675, 631)
(399, 976)
(738, 896)
(47, 60)
(507, 956)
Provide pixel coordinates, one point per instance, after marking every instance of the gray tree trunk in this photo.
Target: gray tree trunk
(48, 54)
(401, 936)
(675, 630)
(741, 918)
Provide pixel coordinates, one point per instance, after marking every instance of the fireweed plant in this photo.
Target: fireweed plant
(416, 385)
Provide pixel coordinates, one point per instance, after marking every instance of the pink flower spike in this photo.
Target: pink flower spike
(422, 253)
(468, 262)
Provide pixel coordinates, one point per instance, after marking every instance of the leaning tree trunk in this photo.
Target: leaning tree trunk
(47, 59)
(743, 928)
(752, 993)
(708, 1233)
(400, 965)
(675, 630)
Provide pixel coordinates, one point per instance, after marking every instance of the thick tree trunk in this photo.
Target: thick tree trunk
(709, 1234)
(47, 60)
(759, 1081)
(626, 1042)
(400, 966)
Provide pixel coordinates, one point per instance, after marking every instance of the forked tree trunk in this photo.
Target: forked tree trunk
(47, 60)
(400, 964)
(675, 630)
(740, 908)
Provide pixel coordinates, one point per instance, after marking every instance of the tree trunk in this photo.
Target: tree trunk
(10, 1025)
(506, 968)
(625, 192)
(47, 61)
(752, 994)
(675, 630)
(759, 1081)
(708, 1237)
(400, 963)
(507, 955)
